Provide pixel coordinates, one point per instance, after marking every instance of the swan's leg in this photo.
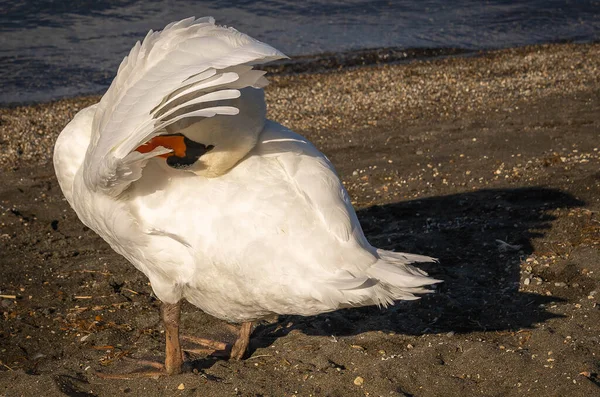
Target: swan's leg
(241, 344)
(171, 314)
(235, 351)
(173, 354)
(211, 345)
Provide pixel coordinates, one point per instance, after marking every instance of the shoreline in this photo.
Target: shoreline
(359, 96)
(347, 60)
(315, 63)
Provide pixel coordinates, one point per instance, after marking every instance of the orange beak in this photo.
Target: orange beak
(175, 142)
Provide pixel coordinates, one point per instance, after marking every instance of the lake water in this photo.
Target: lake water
(52, 49)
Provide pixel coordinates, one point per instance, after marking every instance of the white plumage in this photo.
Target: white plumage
(259, 224)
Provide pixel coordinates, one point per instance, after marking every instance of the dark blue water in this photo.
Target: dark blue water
(51, 49)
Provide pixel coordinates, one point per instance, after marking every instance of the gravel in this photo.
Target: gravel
(344, 100)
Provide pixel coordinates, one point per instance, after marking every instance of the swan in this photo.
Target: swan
(178, 169)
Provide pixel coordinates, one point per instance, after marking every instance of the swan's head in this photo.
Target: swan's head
(210, 147)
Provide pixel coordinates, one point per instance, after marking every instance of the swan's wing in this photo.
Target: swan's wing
(172, 75)
(314, 179)
(317, 182)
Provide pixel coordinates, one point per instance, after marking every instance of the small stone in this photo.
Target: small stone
(6, 303)
(527, 281)
(409, 346)
(560, 284)
(359, 381)
(181, 386)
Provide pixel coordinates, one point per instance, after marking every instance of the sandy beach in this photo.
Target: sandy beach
(489, 162)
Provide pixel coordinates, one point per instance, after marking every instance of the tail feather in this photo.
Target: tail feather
(399, 275)
(389, 279)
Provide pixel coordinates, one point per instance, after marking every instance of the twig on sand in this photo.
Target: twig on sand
(259, 356)
(9, 368)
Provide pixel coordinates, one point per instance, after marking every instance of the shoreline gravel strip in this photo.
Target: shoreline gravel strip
(343, 100)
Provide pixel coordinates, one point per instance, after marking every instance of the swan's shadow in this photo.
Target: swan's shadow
(481, 275)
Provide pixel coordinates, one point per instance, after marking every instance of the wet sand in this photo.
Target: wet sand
(488, 162)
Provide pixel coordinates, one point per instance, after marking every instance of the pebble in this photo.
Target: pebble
(6, 303)
(358, 381)
(181, 386)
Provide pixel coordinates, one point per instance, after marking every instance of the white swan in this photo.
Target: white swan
(179, 170)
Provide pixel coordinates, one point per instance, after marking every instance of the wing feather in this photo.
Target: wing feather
(210, 97)
(166, 78)
(314, 179)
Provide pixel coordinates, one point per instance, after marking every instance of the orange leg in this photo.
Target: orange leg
(173, 354)
(235, 351)
(241, 344)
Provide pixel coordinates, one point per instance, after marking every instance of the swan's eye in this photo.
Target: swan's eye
(185, 151)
